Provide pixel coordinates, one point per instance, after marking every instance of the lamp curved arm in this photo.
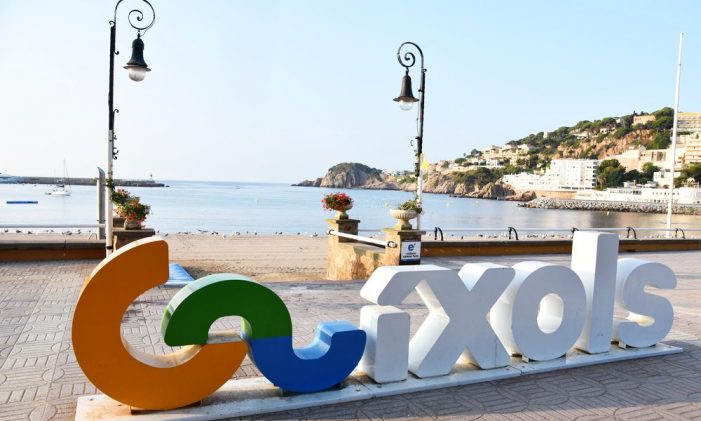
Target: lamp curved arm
(409, 58)
(135, 17)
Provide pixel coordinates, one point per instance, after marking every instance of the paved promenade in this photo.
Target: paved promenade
(39, 377)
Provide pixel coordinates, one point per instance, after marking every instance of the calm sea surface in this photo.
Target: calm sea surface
(266, 208)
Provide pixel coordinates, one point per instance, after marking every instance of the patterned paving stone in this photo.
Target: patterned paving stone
(40, 379)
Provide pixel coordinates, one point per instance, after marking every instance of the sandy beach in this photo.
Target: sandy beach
(264, 258)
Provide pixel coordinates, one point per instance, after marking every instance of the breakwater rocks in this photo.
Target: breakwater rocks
(600, 205)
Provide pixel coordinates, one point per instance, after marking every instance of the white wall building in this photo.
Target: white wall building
(563, 174)
(682, 195)
(663, 179)
(526, 181)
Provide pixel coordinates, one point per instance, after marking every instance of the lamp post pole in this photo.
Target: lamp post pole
(673, 159)
(137, 71)
(406, 100)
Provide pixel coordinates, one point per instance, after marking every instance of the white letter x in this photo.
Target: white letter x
(458, 305)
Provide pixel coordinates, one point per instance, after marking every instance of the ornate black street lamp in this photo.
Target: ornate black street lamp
(406, 102)
(137, 72)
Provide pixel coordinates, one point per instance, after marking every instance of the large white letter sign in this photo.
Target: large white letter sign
(485, 283)
(542, 312)
(438, 343)
(386, 356)
(650, 316)
(457, 316)
(594, 257)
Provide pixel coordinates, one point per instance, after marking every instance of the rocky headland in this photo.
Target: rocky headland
(351, 175)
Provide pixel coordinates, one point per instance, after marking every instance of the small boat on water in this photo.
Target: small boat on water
(60, 188)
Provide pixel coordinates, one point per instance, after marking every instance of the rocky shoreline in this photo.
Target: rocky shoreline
(493, 191)
(599, 205)
(350, 175)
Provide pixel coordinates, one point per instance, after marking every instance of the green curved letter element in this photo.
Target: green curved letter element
(205, 300)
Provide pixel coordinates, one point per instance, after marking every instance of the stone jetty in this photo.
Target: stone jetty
(86, 181)
(601, 205)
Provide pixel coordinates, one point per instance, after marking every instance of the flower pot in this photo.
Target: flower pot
(132, 224)
(118, 221)
(341, 213)
(403, 217)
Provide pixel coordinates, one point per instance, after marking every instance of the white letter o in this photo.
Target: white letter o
(528, 303)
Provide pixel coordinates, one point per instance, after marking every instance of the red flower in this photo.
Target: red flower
(336, 201)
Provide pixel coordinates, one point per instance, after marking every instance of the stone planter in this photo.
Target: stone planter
(132, 224)
(341, 214)
(118, 221)
(403, 217)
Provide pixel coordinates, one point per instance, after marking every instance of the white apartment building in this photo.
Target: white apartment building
(689, 122)
(692, 144)
(574, 174)
(563, 174)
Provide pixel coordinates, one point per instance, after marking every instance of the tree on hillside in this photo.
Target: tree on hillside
(611, 174)
(634, 176)
(662, 140)
(608, 121)
(689, 171)
(477, 177)
(648, 173)
(662, 123)
(627, 121)
(664, 112)
(583, 125)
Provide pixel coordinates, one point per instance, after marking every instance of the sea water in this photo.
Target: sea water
(266, 208)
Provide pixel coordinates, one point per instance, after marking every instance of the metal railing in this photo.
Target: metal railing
(513, 232)
(390, 244)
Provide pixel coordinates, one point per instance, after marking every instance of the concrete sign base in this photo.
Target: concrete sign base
(257, 395)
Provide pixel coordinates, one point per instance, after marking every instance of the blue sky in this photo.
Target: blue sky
(282, 90)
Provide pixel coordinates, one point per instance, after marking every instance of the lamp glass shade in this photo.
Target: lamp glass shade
(406, 105)
(137, 73)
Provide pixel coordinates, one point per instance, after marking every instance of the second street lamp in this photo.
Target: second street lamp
(137, 71)
(406, 102)
(137, 65)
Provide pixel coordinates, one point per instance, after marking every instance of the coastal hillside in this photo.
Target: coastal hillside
(475, 175)
(596, 139)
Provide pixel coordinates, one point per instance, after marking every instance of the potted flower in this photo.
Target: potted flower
(135, 213)
(405, 212)
(119, 198)
(339, 202)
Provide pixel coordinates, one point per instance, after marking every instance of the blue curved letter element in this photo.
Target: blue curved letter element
(326, 362)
